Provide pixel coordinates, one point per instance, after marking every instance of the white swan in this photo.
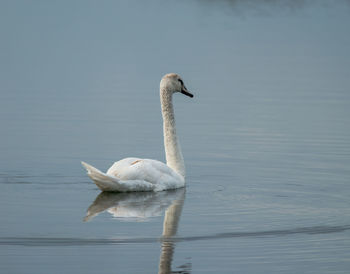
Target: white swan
(135, 174)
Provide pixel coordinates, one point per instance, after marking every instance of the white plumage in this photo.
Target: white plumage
(135, 174)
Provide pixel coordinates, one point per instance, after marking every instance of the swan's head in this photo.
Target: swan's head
(172, 83)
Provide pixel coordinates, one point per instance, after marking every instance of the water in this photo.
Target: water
(266, 139)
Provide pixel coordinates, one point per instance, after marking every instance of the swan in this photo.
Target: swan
(135, 174)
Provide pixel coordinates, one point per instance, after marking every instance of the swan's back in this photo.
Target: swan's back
(151, 171)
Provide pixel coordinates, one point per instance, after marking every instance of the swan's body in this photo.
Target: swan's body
(135, 174)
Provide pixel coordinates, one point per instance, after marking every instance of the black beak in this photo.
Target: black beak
(186, 92)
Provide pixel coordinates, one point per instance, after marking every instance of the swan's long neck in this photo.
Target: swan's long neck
(173, 153)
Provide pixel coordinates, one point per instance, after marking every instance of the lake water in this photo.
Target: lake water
(266, 139)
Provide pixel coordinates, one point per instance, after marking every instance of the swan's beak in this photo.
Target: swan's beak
(186, 92)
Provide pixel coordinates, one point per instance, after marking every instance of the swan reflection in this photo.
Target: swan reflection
(139, 206)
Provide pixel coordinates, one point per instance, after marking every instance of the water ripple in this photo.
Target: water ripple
(51, 241)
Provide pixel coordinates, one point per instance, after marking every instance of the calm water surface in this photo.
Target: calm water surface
(266, 139)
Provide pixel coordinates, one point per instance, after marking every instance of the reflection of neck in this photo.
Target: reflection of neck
(173, 153)
(171, 219)
(166, 257)
(170, 225)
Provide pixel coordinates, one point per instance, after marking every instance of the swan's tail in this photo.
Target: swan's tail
(103, 181)
(107, 182)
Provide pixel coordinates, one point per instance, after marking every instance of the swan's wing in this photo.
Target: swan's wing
(152, 171)
(107, 182)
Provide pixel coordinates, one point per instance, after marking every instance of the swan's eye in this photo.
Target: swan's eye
(182, 83)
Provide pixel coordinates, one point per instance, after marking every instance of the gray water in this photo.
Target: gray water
(266, 139)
